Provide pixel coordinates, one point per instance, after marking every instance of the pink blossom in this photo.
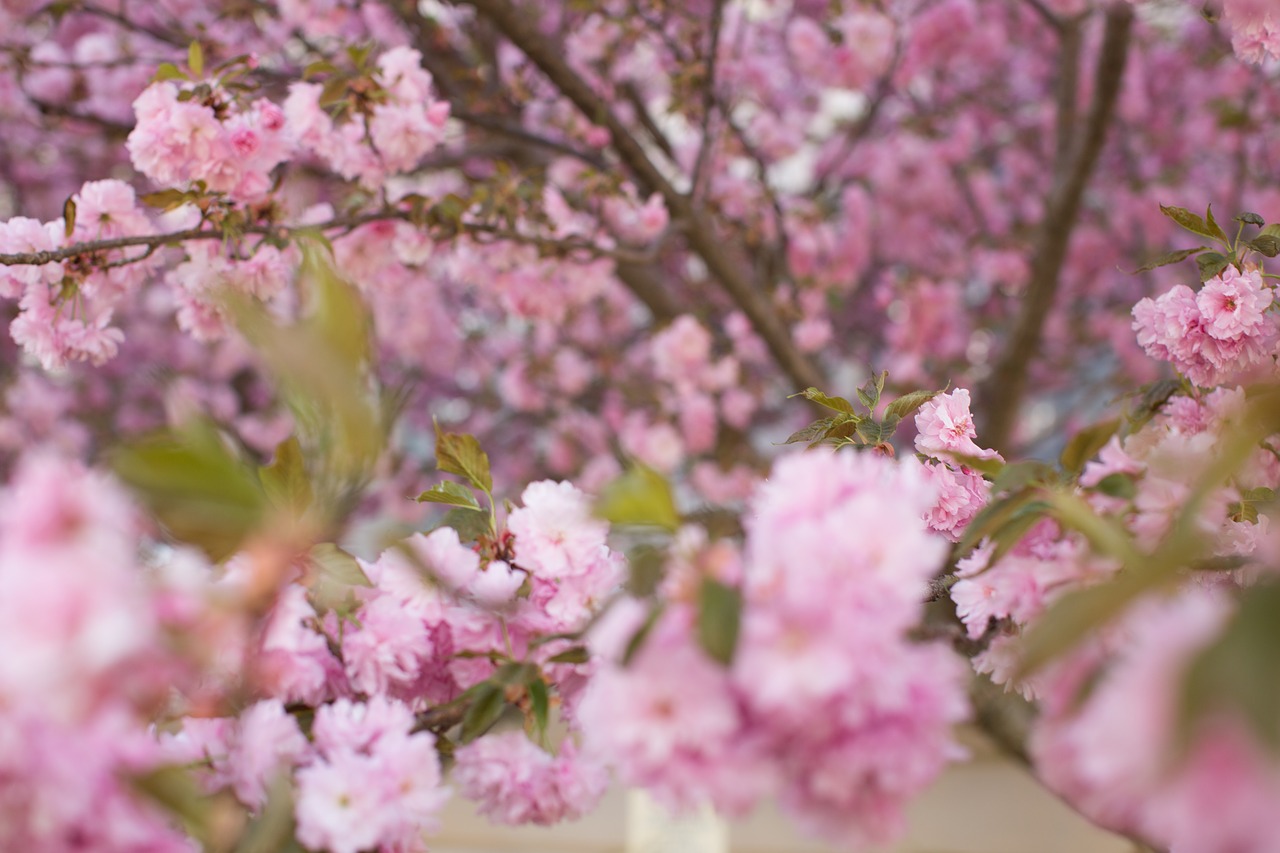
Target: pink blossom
(515, 782)
(946, 426)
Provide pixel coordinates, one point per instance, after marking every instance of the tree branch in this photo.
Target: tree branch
(1003, 391)
(519, 29)
(478, 230)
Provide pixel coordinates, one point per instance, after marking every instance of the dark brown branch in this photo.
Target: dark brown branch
(1003, 391)
(701, 234)
(476, 230)
(1066, 93)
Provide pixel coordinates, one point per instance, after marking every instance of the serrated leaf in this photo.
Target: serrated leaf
(835, 404)
(907, 404)
(1265, 244)
(195, 487)
(719, 619)
(461, 454)
(1211, 264)
(1169, 258)
(1214, 228)
(485, 710)
(578, 654)
(470, 524)
(873, 432)
(1188, 220)
(640, 496)
(195, 59)
(1086, 444)
(451, 494)
(332, 578)
(285, 480)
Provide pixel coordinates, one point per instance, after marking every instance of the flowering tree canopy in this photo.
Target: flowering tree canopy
(585, 279)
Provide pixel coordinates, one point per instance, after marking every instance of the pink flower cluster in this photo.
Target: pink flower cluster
(1109, 753)
(1255, 29)
(827, 705)
(1214, 335)
(515, 782)
(91, 663)
(944, 429)
(64, 315)
(231, 149)
(397, 132)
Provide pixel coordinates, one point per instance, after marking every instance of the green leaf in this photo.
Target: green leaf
(1087, 443)
(640, 496)
(471, 524)
(1153, 397)
(285, 480)
(908, 403)
(719, 619)
(485, 710)
(332, 577)
(873, 432)
(992, 517)
(577, 654)
(1214, 227)
(1007, 536)
(195, 59)
(175, 789)
(195, 487)
(1272, 230)
(827, 429)
(450, 493)
(1118, 485)
(165, 199)
(272, 830)
(1169, 258)
(1211, 264)
(988, 467)
(642, 633)
(1251, 219)
(869, 393)
(169, 71)
(836, 404)
(1265, 244)
(1189, 221)
(69, 217)
(647, 564)
(515, 674)
(539, 705)
(1018, 475)
(1240, 671)
(459, 453)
